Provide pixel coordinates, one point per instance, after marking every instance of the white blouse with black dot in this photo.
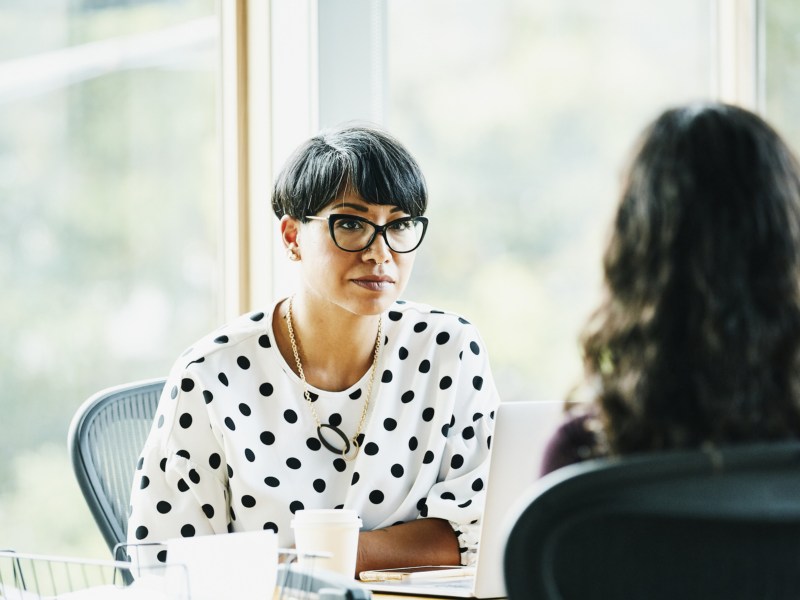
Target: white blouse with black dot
(234, 447)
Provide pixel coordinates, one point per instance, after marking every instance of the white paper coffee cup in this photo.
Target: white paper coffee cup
(334, 531)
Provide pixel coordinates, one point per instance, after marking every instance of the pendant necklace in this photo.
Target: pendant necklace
(352, 443)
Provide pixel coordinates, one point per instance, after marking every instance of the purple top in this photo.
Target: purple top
(573, 441)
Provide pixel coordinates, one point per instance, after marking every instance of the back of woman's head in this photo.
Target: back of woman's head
(698, 338)
(351, 159)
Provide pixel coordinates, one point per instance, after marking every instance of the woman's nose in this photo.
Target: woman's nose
(378, 251)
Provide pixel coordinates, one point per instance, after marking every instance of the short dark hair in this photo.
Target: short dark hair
(698, 339)
(361, 159)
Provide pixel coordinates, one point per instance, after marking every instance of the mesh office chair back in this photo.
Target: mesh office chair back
(106, 436)
(704, 524)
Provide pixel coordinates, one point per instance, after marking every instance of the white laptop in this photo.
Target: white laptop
(521, 433)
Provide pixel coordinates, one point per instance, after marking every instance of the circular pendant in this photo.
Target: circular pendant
(356, 447)
(328, 445)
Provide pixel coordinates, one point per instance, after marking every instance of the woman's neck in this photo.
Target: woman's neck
(336, 347)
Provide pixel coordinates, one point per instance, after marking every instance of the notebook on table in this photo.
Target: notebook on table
(521, 433)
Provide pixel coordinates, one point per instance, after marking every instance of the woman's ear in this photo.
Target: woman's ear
(289, 235)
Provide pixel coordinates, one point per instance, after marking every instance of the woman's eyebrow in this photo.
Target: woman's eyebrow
(363, 208)
(359, 207)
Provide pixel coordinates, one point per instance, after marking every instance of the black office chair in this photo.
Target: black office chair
(106, 436)
(683, 525)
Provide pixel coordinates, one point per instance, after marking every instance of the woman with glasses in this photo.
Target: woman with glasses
(339, 396)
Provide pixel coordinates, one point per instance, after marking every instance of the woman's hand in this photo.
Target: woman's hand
(421, 542)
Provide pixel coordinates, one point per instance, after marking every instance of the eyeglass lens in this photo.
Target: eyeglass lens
(355, 235)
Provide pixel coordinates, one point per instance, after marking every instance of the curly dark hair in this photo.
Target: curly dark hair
(698, 338)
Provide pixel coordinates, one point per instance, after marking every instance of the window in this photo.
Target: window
(522, 114)
(109, 177)
(781, 61)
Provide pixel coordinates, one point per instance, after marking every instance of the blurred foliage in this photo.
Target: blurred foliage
(521, 115)
(64, 23)
(42, 509)
(108, 235)
(782, 73)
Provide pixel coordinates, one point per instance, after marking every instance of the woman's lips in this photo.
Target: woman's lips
(376, 284)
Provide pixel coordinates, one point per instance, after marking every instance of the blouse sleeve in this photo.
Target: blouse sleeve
(459, 495)
(180, 485)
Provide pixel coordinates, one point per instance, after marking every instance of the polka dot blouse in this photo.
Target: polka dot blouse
(233, 446)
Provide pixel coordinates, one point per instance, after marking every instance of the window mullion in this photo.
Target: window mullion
(737, 52)
(235, 197)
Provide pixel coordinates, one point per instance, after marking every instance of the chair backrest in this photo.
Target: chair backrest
(106, 436)
(703, 524)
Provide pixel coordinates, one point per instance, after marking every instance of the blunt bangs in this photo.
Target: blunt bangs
(360, 160)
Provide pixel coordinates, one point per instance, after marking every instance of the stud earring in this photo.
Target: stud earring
(291, 252)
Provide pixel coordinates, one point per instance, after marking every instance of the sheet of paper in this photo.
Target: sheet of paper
(233, 565)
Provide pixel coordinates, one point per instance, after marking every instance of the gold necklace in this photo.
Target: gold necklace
(347, 442)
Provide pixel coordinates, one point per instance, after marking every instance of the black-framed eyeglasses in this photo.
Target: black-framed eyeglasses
(354, 234)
